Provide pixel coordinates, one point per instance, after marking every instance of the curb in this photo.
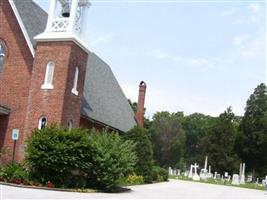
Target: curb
(46, 188)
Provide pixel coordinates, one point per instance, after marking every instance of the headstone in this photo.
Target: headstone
(242, 178)
(235, 180)
(195, 174)
(190, 175)
(249, 178)
(215, 175)
(218, 176)
(174, 172)
(204, 172)
(170, 171)
(178, 172)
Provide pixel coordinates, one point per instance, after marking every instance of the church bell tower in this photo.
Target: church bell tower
(59, 67)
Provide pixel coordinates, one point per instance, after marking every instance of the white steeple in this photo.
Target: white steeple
(66, 21)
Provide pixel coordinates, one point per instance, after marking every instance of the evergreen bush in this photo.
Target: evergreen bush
(159, 174)
(143, 151)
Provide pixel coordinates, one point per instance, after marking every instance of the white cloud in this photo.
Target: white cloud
(99, 39)
(254, 7)
(229, 12)
(240, 39)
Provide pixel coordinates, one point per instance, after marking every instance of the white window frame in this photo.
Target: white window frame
(75, 82)
(49, 75)
(2, 46)
(40, 122)
(70, 124)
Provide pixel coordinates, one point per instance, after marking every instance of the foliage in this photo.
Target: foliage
(14, 173)
(196, 127)
(115, 158)
(159, 174)
(251, 143)
(75, 158)
(168, 138)
(143, 151)
(219, 143)
(132, 179)
(53, 154)
(5, 154)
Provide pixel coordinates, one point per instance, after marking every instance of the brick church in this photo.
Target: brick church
(49, 75)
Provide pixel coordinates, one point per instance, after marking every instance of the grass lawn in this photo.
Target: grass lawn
(219, 182)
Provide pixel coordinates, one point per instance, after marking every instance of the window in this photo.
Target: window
(42, 123)
(48, 82)
(70, 124)
(75, 82)
(2, 56)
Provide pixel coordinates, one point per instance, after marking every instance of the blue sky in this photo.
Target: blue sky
(194, 56)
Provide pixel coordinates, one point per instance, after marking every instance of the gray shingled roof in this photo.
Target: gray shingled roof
(33, 17)
(104, 100)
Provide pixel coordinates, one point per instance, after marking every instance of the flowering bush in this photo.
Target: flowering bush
(134, 180)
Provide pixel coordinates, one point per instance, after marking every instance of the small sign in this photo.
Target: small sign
(15, 134)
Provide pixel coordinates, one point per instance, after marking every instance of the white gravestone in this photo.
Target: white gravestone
(235, 180)
(170, 171)
(204, 172)
(195, 175)
(190, 175)
(242, 178)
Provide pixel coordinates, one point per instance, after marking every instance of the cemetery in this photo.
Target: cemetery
(205, 175)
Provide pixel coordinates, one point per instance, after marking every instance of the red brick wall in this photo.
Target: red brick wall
(89, 124)
(15, 78)
(59, 105)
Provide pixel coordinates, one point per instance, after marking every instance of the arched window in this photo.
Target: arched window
(70, 124)
(75, 82)
(2, 56)
(48, 81)
(42, 123)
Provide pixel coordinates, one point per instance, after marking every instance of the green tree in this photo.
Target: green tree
(196, 127)
(143, 151)
(219, 143)
(251, 143)
(168, 138)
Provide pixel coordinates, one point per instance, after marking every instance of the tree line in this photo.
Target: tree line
(179, 140)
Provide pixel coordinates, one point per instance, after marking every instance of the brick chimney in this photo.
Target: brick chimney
(139, 115)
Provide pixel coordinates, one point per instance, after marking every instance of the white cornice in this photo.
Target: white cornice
(23, 29)
(61, 36)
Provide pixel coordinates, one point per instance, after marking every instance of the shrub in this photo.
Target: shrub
(77, 158)
(143, 151)
(133, 179)
(159, 174)
(115, 158)
(14, 173)
(53, 154)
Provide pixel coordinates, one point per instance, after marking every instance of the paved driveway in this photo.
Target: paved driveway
(173, 189)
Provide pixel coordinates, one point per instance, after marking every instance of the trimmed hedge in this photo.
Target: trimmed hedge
(79, 158)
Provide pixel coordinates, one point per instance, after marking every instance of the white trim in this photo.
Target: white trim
(62, 36)
(75, 82)
(73, 91)
(23, 29)
(47, 87)
(40, 122)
